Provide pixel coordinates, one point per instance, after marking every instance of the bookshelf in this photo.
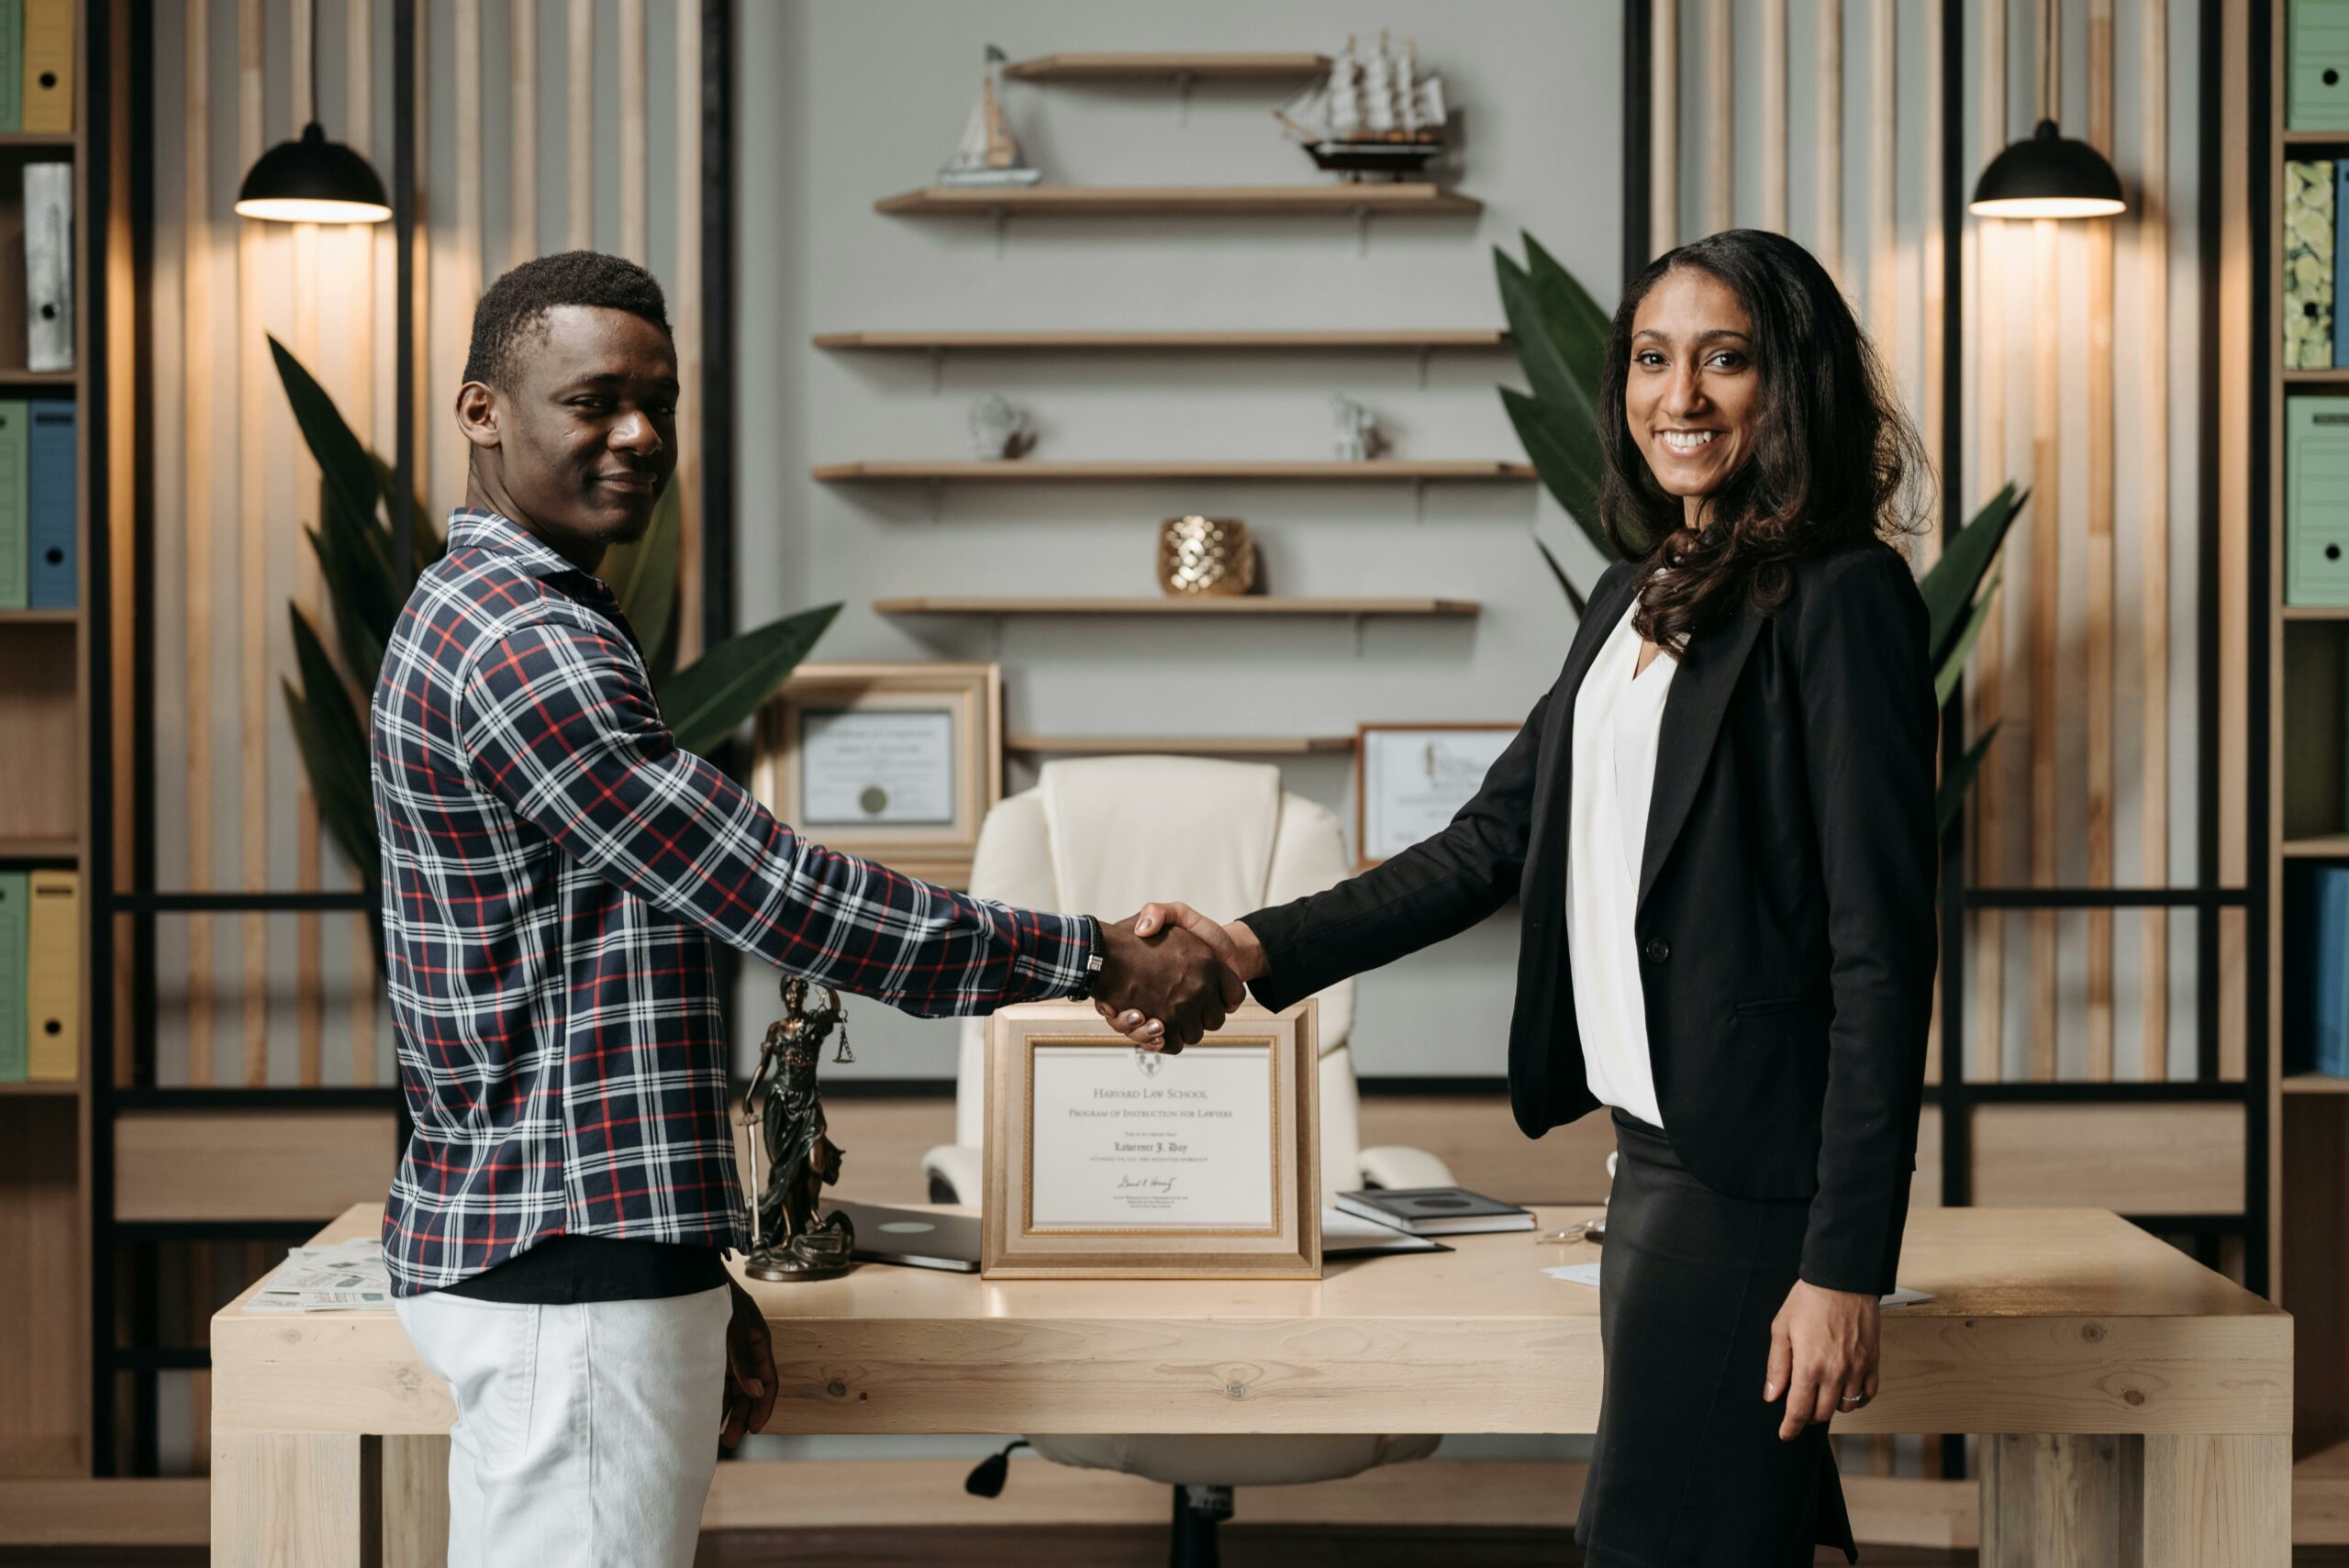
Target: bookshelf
(1404, 199)
(48, 728)
(2307, 823)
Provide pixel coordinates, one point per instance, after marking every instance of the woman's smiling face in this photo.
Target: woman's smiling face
(1690, 392)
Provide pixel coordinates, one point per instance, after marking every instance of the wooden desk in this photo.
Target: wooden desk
(2048, 1326)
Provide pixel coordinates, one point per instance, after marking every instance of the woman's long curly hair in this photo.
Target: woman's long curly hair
(1832, 457)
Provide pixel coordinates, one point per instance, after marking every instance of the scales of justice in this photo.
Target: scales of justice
(787, 1241)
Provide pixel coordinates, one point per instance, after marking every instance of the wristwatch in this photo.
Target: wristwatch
(1093, 962)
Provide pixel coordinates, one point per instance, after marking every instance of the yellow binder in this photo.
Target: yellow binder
(53, 979)
(49, 66)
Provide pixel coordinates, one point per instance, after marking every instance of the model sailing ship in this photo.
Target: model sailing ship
(1372, 114)
(989, 154)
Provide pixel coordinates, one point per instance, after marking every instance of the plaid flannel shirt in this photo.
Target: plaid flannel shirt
(551, 863)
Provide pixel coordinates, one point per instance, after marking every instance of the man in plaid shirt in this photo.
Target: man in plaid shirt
(554, 869)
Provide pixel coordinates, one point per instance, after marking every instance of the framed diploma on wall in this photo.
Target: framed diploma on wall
(1410, 779)
(895, 762)
(1107, 1162)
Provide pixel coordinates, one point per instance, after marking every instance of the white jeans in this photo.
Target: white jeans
(586, 1435)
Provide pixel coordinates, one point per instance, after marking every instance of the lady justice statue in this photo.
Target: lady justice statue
(789, 1243)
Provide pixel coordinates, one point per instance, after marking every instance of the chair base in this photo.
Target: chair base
(1197, 1511)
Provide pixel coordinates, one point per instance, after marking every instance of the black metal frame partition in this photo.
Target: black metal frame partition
(2207, 896)
(142, 901)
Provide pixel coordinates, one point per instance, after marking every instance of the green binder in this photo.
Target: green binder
(14, 901)
(12, 65)
(15, 517)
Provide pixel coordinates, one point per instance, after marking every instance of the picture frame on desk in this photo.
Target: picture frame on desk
(898, 763)
(1106, 1161)
(1411, 779)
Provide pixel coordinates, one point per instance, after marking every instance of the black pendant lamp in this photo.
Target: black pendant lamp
(312, 180)
(2048, 175)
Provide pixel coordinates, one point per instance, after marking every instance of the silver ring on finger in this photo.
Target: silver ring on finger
(1854, 1400)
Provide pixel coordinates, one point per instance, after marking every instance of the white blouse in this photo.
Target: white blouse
(1616, 715)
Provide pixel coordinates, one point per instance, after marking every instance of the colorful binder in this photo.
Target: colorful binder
(49, 266)
(51, 490)
(54, 978)
(2307, 263)
(12, 65)
(2340, 240)
(48, 67)
(15, 561)
(12, 976)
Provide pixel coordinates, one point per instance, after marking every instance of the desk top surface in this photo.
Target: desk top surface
(1977, 1262)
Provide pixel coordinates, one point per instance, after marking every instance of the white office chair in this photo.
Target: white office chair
(1103, 836)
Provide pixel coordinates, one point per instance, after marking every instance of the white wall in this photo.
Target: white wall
(840, 104)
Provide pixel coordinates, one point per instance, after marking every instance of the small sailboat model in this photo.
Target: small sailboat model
(989, 154)
(1372, 114)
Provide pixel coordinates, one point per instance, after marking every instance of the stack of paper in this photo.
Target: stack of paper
(339, 1278)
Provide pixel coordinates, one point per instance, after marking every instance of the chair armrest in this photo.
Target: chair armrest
(957, 1166)
(1394, 1165)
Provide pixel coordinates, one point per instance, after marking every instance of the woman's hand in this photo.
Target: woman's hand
(1822, 1354)
(749, 1371)
(1235, 943)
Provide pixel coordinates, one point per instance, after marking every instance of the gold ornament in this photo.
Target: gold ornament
(1206, 555)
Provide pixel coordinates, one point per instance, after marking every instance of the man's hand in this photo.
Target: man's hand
(1822, 1355)
(749, 1371)
(1235, 943)
(1168, 974)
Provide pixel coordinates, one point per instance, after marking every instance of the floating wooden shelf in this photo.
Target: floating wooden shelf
(1246, 605)
(1187, 746)
(2316, 378)
(1413, 198)
(1025, 471)
(63, 381)
(2322, 847)
(2314, 1083)
(1332, 340)
(2316, 138)
(40, 617)
(2316, 612)
(13, 848)
(39, 1091)
(62, 142)
(1167, 66)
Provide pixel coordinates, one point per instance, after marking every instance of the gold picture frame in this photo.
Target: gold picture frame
(953, 708)
(1079, 1052)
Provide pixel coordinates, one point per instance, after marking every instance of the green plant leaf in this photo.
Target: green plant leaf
(708, 699)
(1951, 586)
(1536, 339)
(1559, 571)
(424, 531)
(1566, 457)
(333, 741)
(342, 458)
(1951, 798)
(643, 577)
(1953, 664)
(1583, 326)
(357, 574)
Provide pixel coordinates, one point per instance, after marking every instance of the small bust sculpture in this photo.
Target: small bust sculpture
(789, 1242)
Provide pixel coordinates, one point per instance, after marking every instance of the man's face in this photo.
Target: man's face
(586, 434)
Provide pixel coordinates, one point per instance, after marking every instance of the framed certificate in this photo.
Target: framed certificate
(1107, 1162)
(897, 763)
(1411, 779)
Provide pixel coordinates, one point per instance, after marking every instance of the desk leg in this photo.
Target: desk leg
(2193, 1501)
(415, 1501)
(2218, 1502)
(292, 1500)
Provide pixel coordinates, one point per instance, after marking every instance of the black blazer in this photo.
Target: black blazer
(1785, 921)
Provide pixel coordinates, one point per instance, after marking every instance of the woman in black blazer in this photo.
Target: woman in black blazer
(1770, 932)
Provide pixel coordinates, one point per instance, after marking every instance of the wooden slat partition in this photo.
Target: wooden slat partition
(309, 1049)
(522, 116)
(1932, 293)
(1987, 688)
(1664, 109)
(2046, 563)
(686, 308)
(581, 212)
(253, 247)
(2153, 508)
(195, 415)
(1884, 289)
(359, 394)
(1721, 118)
(632, 113)
(1774, 115)
(1828, 89)
(2098, 237)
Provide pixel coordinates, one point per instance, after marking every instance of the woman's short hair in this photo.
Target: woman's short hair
(1833, 456)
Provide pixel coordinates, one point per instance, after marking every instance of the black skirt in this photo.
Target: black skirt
(1688, 1468)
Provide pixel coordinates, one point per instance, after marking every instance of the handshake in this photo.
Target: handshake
(1169, 975)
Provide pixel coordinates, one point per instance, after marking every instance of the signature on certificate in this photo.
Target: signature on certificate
(1146, 1183)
